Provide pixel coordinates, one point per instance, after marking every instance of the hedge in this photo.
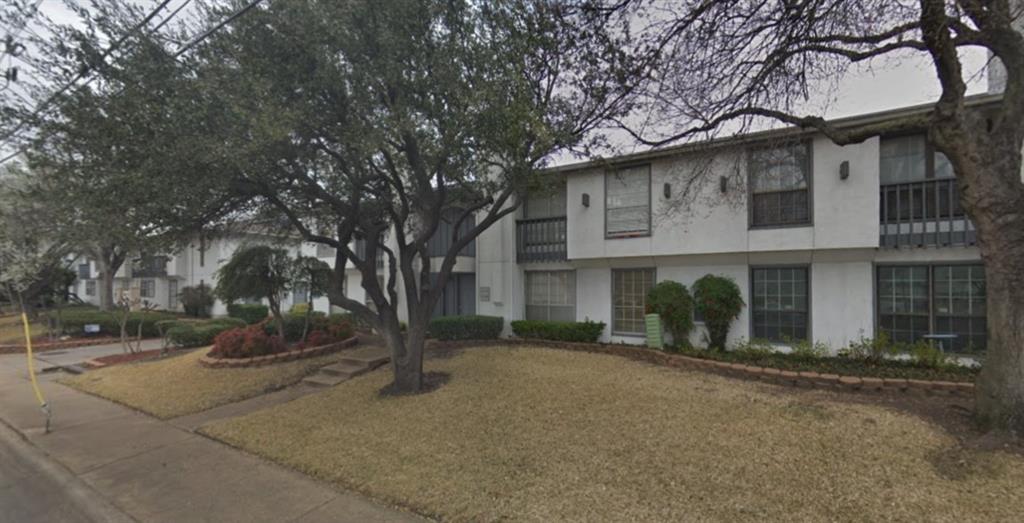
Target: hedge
(197, 333)
(74, 321)
(466, 327)
(250, 313)
(588, 331)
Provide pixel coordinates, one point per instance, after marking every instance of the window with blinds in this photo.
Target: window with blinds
(779, 302)
(628, 202)
(629, 299)
(780, 185)
(551, 295)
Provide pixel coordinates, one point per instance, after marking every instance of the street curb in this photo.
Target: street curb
(85, 499)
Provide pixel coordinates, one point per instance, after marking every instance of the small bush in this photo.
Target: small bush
(198, 333)
(587, 331)
(927, 355)
(293, 325)
(299, 309)
(197, 300)
(810, 350)
(671, 301)
(74, 321)
(466, 327)
(719, 300)
(246, 342)
(250, 313)
(870, 349)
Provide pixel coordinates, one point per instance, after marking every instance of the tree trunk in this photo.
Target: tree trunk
(406, 353)
(106, 287)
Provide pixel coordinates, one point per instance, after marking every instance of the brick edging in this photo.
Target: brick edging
(737, 370)
(72, 343)
(258, 361)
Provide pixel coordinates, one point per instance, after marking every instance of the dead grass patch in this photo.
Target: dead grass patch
(179, 385)
(540, 434)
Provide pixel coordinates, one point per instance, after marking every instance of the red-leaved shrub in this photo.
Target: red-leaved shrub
(246, 342)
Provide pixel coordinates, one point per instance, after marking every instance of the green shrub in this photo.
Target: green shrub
(466, 327)
(870, 349)
(670, 300)
(926, 354)
(250, 313)
(74, 321)
(809, 350)
(295, 323)
(587, 331)
(299, 309)
(197, 300)
(719, 300)
(198, 333)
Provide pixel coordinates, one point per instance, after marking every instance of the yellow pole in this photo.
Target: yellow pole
(32, 371)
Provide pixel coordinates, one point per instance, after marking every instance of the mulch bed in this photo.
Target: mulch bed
(280, 357)
(114, 359)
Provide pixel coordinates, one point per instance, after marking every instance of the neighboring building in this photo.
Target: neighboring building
(159, 279)
(826, 242)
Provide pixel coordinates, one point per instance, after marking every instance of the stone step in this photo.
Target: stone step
(369, 360)
(323, 380)
(345, 370)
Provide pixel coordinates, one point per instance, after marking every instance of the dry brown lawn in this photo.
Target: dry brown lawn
(178, 385)
(12, 331)
(546, 435)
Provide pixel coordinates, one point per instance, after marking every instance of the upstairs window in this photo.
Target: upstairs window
(325, 251)
(628, 202)
(548, 202)
(780, 180)
(83, 271)
(910, 158)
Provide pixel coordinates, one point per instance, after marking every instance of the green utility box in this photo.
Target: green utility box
(654, 337)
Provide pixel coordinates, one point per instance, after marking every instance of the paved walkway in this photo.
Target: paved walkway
(155, 471)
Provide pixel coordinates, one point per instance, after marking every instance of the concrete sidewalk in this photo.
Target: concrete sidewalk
(154, 471)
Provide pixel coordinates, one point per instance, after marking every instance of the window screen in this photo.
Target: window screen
(779, 303)
(551, 295)
(628, 202)
(779, 185)
(629, 299)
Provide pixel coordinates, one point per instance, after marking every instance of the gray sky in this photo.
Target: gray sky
(876, 86)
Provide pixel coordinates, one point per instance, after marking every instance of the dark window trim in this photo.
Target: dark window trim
(809, 144)
(611, 319)
(877, 314)
(810, 297)
(650, 203)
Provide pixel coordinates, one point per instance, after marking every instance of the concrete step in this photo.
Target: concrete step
(344, 370)
(369, 360)
(323, 380)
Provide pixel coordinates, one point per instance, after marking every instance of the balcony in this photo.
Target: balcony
(920, 214)
(361, 253)
(150, 267)
(540, 240)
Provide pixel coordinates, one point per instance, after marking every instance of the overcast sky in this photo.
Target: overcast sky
(876, 86)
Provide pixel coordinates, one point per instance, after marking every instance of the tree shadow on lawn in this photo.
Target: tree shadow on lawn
(431, 382)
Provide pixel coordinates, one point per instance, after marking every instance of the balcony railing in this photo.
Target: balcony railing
(150, 267)
(361, 253)
(927, 213)
(540, 240)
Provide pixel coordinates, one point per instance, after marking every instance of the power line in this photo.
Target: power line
(192, 43)
(84, 71)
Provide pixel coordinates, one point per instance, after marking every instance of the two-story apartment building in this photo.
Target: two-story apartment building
(827, 243)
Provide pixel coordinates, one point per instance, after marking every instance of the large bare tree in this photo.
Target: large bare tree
(729, 65)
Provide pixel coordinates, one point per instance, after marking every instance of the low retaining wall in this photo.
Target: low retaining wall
(258, 361)
(56, 345)
(740, 370)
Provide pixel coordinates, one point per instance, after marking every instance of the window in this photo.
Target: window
(628, 202)
(549, 202)
(942, 299)
(629, 299)
(779, 303)
(780, 179)
(325, 251)
(551, 295)
(300, 294)
(147, 289)
(90, 287)
(910, 158)
(83, 271)
(172, 294)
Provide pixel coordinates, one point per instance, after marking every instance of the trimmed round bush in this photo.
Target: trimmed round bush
(466, 327)
(719, 300)
(670, 300)
(246, 342)
(198, 333)
(586, 332)
(250, 313)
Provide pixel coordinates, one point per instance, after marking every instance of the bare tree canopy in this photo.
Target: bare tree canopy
(731, 65)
